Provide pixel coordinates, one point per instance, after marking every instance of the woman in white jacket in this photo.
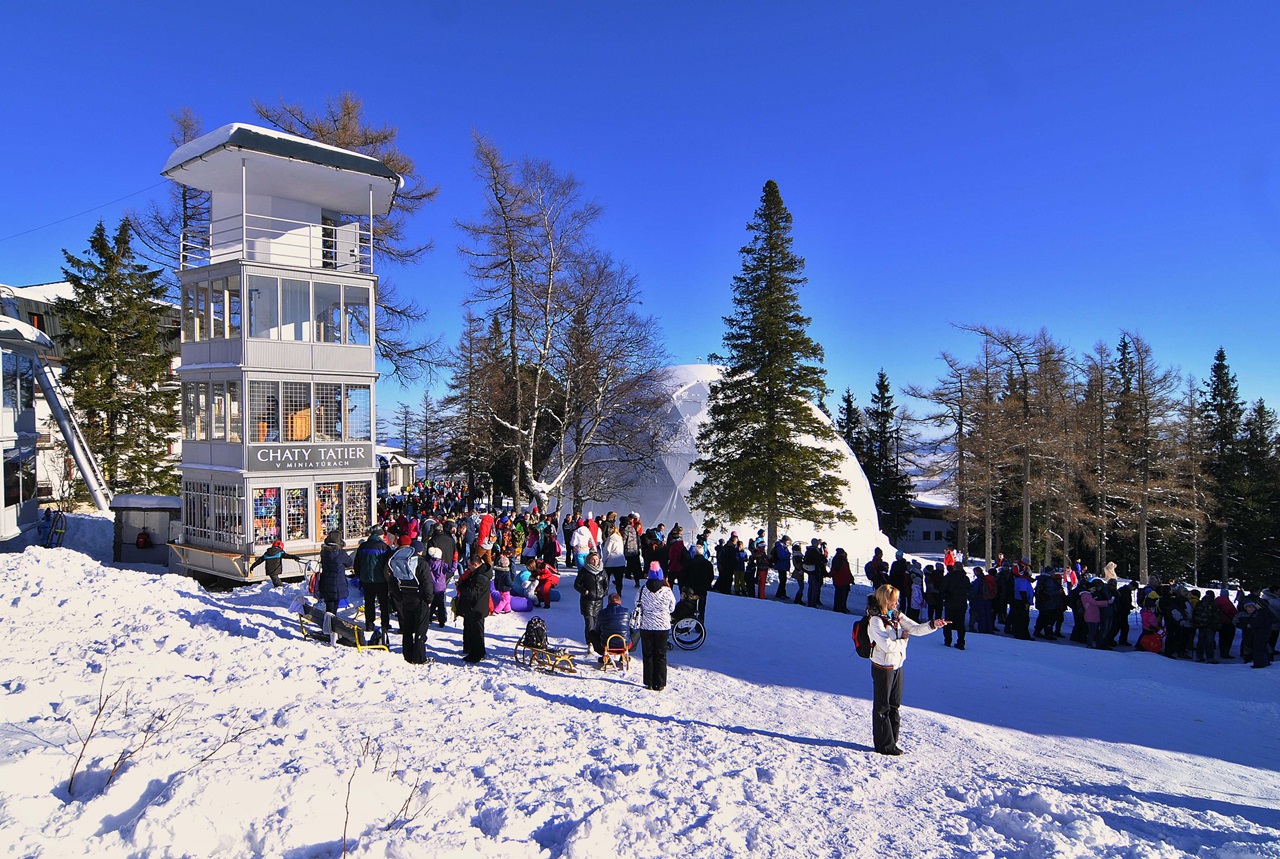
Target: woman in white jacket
(613, 554)
(889, 631)
(655, 603)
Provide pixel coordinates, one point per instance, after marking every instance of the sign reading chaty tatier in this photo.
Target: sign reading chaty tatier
(309, 457)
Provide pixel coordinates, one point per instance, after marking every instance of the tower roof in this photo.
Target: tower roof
(283, 165)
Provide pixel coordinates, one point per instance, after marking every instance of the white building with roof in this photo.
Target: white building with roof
(277, 345)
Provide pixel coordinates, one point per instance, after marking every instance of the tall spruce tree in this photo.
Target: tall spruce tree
(117, 349)
(883, 461)
(1223, 417)
(1258, 540)
(759, 455)
(849, 425)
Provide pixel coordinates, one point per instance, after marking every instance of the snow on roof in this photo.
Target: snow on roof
(45, 292)
(129, 501)
(14, 333)
(283, 165)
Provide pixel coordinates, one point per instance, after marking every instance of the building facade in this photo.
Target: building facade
(278, 367)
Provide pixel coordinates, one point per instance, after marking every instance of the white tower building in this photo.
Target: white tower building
(278, 336)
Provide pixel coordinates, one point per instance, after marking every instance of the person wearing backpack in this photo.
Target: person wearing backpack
(889, 631)
(370, 566)
(815, 567)
(412, 588)
(592, 584)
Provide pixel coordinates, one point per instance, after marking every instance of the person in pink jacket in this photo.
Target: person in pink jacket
(1093, 600)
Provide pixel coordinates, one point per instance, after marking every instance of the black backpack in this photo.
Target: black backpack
(862, 639)
(535, 634)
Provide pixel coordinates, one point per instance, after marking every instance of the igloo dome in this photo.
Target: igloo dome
(662, 495)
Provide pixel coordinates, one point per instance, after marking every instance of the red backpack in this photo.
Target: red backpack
(862, 639)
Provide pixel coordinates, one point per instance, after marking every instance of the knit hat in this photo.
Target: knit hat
(405, 540)
(898, 554)
(435, 552)
(655, 571)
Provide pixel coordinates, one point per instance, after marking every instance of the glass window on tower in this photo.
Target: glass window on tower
(297, 411)
(357, 315)
(328, 313)
(359, 413)
(233, 411)
(263, 307)
(264, 411)
(328, 412)
(233, 307)
(218, 312)
(295, 309)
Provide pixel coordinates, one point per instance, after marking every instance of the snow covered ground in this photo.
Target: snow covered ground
(248, 740)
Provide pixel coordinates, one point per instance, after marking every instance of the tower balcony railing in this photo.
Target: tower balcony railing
(344, 247)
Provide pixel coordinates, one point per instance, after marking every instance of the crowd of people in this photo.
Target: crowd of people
(1172, 619)
(430, 539)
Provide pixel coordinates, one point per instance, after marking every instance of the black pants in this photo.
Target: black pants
(415, 620)
(955, 614)
(590, 618)
(617, 573)
(635, 572)
(842, 598)
(1119, 628)
(380, 591)
(886, 688)
(654, 642)
(702, 608)
(798, 577)
(472, 638)
(437, 612)
(781, 592)
(1226, 635)
(1019, 619)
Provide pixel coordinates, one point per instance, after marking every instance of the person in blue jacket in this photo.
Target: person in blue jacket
(334, 563)
(272, 558)
(613, 620)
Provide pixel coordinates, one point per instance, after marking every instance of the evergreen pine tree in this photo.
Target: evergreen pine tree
(1258, 540)
(890, 486)
(849, 425)
(118, 348)
(759, 457)
(1223, 416)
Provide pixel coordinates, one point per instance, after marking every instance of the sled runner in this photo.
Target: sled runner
(617, 654)
(336, 629)
(534, 651)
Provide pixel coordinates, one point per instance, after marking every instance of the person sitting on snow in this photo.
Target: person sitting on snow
(613, 620)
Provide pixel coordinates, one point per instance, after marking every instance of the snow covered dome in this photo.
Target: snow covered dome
(662, 496)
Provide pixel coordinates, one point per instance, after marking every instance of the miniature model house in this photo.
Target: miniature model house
(277, 345)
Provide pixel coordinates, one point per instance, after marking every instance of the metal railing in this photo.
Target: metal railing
(344, 247)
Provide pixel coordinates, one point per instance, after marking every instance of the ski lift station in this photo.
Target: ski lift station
(277, 368)
(24, 364)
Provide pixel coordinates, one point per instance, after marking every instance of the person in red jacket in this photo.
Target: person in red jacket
(842, 578)
(485, 538)
(1226, 626)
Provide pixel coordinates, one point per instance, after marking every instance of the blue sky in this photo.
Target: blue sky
(1086, 167)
